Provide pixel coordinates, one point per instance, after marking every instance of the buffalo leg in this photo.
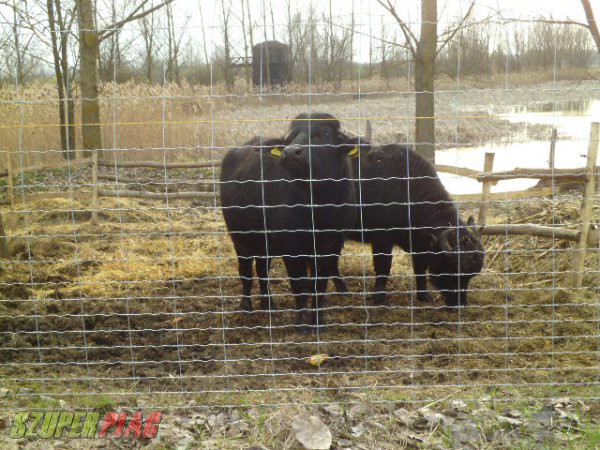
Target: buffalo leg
(297, 272)
(382, 262)
(245, 272)
(326, 268)
(263, 265)
(338, 281)
(420, 265)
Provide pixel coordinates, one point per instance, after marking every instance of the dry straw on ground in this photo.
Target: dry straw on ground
(162, 282)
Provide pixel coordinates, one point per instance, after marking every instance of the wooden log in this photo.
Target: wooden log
(462, 171)
(542, 174)
(83, 195)
(94, 186)
(158, 195)
(160, 165)
(206, 185)
(579, 249)
(502, 196)
(486, 189)
(49, 166)
(532, 230)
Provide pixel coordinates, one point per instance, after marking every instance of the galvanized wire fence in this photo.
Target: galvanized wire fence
(120, 280)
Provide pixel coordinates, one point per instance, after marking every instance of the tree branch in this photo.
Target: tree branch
(542, 20)
(458, 27)
(409, 36)
(113, 28)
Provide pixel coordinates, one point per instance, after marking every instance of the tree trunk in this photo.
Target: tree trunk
(204, 46)
(16, 26)
(67, 79)
(88, 76)
(67, 144)
(246, 65)
(593, 25)
(227, 69)
(424, 81)
(250, 27)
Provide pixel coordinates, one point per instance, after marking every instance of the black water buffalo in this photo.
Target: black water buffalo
(404, 203)
(292, 198)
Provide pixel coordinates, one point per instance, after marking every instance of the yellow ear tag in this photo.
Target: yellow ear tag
(276, 152)
(354, 152)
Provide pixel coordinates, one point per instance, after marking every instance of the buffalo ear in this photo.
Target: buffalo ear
(441, 240)
(354, 145)
(471, 221)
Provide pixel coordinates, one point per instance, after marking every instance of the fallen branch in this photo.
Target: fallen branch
(160, 165)
(532, 230)
(158, 195)
(48, 166)
(542, 174)
(462, 171)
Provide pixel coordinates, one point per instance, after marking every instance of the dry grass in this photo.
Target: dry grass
(186, 122)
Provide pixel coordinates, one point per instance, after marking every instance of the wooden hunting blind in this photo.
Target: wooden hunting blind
(270, 63)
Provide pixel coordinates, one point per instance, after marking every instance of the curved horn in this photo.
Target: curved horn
(366, 137)
(474, 228)
(348, 132)
(443, 241)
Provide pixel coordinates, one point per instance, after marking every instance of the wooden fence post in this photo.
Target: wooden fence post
(586, 208)
(488, 166)
(4, 253)
(10, 191)
(552, 157)
(94, 186)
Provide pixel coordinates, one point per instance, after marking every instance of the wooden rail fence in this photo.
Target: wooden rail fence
(205, 191)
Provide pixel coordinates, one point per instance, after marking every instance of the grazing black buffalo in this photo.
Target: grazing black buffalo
(404, 203)
(292, 198)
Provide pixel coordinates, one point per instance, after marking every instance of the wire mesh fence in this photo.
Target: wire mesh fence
(120, 278)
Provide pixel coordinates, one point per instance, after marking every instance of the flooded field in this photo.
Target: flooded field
(572, 120)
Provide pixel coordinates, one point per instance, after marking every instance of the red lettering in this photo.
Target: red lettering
(135, 426)
(120, 425)
(151, 427)
(110, 420)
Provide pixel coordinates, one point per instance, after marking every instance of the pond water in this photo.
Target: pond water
(572, 120)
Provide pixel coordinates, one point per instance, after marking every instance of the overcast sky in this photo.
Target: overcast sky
(408, 9)
(368, 11)
(368, 15)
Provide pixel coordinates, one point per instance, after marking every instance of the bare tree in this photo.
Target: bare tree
(147, 30)
(246, 65)
(204, 46)
(19, 46)
(174, 46)
(89, 40)
(60, 31)
(55, 34)
(272, 20)
(225, 15)
(424, 50)
(250, 25)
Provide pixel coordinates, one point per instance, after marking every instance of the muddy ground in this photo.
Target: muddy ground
(148, 300)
